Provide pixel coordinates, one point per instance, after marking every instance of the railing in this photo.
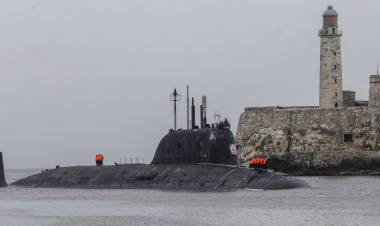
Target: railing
(330, 31)
(128, 161)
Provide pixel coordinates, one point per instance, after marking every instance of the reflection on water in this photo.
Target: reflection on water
(331, 201)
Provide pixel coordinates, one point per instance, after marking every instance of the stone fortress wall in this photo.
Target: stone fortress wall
(311, 140)
(341, 135)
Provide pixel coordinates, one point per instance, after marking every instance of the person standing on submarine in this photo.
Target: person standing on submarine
(99, 159)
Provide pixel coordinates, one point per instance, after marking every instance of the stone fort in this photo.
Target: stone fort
(341, 135)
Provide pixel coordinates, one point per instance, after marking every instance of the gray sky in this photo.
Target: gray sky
(80, 77)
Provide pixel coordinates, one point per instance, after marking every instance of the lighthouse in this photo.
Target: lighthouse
(330, 84)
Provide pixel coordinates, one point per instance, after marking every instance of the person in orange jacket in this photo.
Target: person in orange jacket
(99, 159)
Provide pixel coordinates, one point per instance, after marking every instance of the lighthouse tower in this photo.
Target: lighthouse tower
(330, 84)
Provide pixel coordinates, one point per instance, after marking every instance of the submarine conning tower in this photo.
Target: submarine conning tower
(209, 145)
(3, 183)
(214, 145)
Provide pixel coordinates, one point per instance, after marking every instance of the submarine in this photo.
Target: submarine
(195, 159)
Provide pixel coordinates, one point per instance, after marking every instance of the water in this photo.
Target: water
(331, 201)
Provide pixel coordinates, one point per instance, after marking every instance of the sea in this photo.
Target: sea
(330, 201)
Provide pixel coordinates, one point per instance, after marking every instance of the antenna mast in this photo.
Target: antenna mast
(175, 96)
(187, 107)
(192, 113)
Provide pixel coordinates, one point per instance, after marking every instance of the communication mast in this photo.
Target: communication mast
(203, 114)
(187, 107)
(175, 97)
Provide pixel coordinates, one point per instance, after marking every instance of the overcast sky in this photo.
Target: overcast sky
(84, 77)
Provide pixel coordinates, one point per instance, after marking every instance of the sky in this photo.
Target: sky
(81, 77)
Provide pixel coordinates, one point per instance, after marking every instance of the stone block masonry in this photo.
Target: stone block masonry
(312, 140)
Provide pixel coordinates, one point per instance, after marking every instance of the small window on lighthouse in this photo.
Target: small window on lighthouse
(334, 53)
(335, 67)
(336, 105)
(335, 81)
(336, 94)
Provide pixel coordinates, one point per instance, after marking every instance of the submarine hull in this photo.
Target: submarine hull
(192, 177)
